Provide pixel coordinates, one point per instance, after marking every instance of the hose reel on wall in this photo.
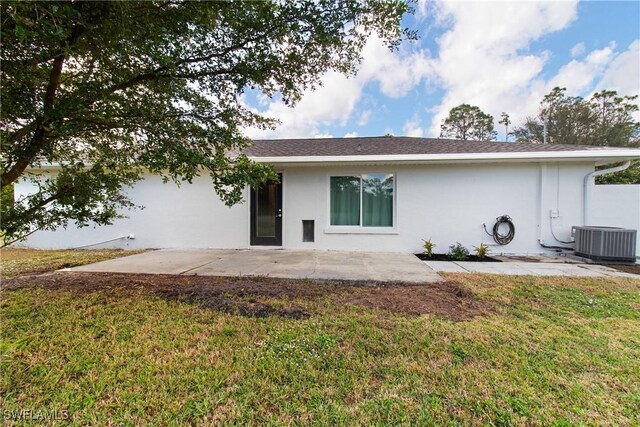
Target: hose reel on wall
(502, 238)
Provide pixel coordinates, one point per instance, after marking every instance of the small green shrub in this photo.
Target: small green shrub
(428, 247)
(458, 252)
(481, 250)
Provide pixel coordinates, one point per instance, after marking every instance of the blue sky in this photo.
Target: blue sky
(500, 56)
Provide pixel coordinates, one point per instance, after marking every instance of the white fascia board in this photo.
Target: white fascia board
(594, 155)
(600, 156)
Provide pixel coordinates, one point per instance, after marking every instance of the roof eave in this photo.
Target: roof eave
(598, 156)
(567, 156)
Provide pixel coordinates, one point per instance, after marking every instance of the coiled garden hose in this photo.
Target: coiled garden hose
(499, 238)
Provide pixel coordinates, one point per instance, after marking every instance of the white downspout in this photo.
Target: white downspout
(589, 183)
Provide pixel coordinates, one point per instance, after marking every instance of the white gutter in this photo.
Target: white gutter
(622, 155)
(607, 156)
(589, 183)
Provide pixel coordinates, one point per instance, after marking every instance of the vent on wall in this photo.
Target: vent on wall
(605, 243)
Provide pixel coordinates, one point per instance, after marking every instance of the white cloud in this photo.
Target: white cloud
(578, 49)
(623, 72)
(364, 117)
(422, 9)
(333, 103)
(579, 76)
(484, 57)
(413, 128)
(396, 73)
(263, 99)
(351, 135)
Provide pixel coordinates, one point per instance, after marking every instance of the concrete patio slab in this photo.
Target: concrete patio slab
(446, 267)
(174, 262)
(529, 269)
(288, 264)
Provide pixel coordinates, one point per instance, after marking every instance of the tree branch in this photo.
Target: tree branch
(42, 126)
(23, 236)
(22, 132)
(158, 72)
(55, 196)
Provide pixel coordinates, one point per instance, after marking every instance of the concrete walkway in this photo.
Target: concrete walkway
(288, 264)
(528, 268)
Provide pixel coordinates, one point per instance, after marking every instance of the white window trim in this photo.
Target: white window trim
(350, 229)
(361, 229)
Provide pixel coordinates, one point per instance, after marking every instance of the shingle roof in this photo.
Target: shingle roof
(383, 145)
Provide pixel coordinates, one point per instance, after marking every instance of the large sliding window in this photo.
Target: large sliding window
(362, 200)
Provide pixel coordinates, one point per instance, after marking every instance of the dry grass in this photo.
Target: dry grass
(18, 261)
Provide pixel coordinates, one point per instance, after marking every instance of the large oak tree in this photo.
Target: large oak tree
(107, 90)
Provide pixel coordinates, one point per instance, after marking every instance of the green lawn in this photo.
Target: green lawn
(549, 351)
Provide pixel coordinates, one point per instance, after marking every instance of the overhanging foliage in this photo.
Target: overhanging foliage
(107, 90)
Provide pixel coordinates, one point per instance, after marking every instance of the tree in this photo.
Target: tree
(613, 124)
(108, 90)
(506, 121)
(604, 120)
(6, 198)
(468, 122)
(631, 175)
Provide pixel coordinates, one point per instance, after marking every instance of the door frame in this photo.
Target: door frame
(255, 240)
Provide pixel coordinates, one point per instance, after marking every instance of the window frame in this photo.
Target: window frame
(360, 228)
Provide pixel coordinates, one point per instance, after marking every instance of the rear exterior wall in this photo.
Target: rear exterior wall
(444, 203)
(189, 216)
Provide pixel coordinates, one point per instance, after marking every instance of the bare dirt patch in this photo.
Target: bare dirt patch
(632, 268)
(249, 296)
(448, 299)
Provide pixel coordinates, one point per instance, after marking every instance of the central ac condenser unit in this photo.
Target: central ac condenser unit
(611, 244)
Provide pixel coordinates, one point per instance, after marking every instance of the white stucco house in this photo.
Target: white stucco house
(377, 194)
